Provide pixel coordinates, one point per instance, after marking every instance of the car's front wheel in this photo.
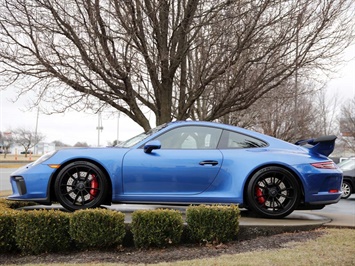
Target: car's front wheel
(80, 185)
(347, 190)
(273, 192)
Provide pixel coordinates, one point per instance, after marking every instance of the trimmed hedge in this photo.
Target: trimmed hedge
(8, 223)
(159, 228)
(12, 204)
(97, 228)
(212, 224)
(7, 230)
(41, 231)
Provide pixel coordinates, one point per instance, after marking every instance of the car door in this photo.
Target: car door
(187, 163)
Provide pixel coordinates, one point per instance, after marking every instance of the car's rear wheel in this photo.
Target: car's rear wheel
(347, 190)
(80, 185)
(273, 192)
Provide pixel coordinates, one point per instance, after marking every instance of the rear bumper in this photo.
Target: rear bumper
(320, 186)
(318, 201)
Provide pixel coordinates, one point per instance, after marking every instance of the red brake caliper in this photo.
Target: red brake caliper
(259, 195)
(94, 186)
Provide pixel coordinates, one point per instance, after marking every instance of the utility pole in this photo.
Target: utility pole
(99, 128)
(35, 149)
(296, 114)
(118, 127)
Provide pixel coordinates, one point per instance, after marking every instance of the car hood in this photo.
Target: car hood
(95, 154)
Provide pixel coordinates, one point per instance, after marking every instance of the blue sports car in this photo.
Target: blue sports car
(188, 162)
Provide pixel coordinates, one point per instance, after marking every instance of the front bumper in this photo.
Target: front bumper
(31, 183)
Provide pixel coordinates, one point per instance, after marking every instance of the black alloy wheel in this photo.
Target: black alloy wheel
(347, 190)
(273, 192)
(80, 185)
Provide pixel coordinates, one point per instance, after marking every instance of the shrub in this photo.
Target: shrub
(42, 231)
(214, 223)
(156, 227)
(7, 230)
(3, 203)
(15, 204)
(97, 227)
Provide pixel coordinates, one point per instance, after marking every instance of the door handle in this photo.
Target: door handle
(213, 163)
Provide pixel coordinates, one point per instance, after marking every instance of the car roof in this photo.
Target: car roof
(269, 139)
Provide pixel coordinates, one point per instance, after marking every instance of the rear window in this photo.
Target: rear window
(235, 140)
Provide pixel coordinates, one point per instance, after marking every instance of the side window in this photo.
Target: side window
(234, 140)
(190, 137)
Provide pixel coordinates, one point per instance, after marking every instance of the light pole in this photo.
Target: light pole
(99, 128)
(296, 111)
(118, 127)
(35, 149)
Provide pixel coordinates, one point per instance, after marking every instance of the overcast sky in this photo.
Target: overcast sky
(69, 128)
(73, 126)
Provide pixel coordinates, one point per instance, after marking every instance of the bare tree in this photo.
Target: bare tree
(6, 140)
(26, 138)
(274, 114)
(347, 124)
(326, 112)
(272, 52)
(60, 144)
(178, 59)
(81, 144)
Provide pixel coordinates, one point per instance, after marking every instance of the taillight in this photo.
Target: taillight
(325, 165)
(333, 191)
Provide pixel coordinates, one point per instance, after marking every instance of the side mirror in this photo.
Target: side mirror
(152, 145)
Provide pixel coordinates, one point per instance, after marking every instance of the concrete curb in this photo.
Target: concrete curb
(338, 220)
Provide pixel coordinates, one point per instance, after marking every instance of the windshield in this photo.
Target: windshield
(133, 141)
(347, 165)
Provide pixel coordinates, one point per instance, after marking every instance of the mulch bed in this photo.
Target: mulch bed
(174, 253)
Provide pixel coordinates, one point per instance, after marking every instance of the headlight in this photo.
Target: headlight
(44, 157)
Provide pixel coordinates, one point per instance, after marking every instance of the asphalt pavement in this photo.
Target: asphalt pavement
(5, 178)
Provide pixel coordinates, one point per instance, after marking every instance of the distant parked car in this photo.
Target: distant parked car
(348, 168)
(28, 152)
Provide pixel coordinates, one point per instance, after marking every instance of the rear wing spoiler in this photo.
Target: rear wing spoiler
(322, 145)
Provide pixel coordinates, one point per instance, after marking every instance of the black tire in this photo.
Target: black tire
(347, 189)
(80, 185)
(273, 192)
